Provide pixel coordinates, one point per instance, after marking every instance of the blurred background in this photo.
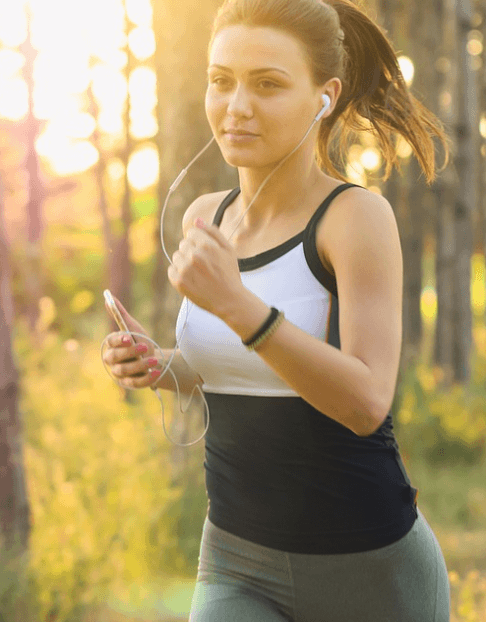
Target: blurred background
(101, 106)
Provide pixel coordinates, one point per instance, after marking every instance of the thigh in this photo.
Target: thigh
(224, 603)
(240, 581)
(405, 581)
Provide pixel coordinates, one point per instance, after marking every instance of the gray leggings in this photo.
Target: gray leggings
(239, 581)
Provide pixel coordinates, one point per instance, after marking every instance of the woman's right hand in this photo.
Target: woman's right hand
(127, 362)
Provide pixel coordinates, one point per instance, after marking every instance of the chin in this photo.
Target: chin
(233, 158)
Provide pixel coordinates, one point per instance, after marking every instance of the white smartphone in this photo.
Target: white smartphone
(121, 324)
(117, 316)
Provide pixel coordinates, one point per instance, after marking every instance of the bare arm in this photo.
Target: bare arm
(186, 376)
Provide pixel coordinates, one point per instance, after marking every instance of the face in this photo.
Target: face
(277, 105)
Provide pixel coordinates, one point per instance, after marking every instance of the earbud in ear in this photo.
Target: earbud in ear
(327, 102)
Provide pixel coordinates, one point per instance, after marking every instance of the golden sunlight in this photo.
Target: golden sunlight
(407, 68)
(143, 167)
(371, 159)
(142, 42)
(139, 12)
(482, 126)
(142, 88)
(78, 45)
(13, 25)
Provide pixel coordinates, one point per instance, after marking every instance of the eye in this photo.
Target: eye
(272, 84)
(218, 80)
(221, 82)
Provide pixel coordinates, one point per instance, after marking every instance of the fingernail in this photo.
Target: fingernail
(152, 362)
(126, 340)
(141, 348)
(155, 373)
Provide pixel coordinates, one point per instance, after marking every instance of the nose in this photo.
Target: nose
(239, 104)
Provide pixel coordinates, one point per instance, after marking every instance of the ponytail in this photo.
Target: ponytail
(341, 41)
(374, 90)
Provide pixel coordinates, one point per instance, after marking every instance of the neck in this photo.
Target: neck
(282, 195)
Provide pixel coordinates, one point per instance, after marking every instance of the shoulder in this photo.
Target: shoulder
(356, 216)
(205, 207)
(357, 202)
(363, 244)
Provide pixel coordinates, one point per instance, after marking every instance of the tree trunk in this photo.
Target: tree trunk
(14, 506)
(181, 63)
(444, 35)
(392, 190)
(482, 138)
(465, 202)
(405, 197)
(419, 195)
(32, 273)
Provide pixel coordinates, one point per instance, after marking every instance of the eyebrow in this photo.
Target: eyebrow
(253, 71)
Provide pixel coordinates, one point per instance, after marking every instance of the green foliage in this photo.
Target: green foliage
(452, 495)
(441, 435)
(468, 596)
(144, 205)
(184, 519)
(98, 476)
(73, 271)
(442, 426)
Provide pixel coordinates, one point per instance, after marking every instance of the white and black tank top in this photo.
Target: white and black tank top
(278, 471)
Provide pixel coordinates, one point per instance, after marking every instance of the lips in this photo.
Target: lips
(239, 132)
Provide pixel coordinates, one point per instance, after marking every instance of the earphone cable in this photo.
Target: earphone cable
(172, 188)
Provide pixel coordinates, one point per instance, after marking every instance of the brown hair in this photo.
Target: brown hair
(339, 40)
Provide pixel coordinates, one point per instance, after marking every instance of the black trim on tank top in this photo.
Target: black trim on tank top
(246, 264)
(310, 250)
(307, 236)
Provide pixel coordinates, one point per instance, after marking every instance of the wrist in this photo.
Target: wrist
(246, 314)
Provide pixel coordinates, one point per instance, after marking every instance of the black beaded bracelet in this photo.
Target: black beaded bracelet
(268, 322)
(268, 333)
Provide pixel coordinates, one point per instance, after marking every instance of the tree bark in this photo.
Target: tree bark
(33, 285)
(14, 506)
(405, 198)
(389, 15)
(482, 138)
(446, 187)
(465, 202)
(181, 62)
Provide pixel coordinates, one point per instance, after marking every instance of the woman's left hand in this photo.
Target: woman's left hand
(205, 269)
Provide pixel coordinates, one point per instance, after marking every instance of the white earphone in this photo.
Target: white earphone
(327, 102)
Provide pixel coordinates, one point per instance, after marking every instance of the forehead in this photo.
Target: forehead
(243, 47)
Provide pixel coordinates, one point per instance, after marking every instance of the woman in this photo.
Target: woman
(312, 517)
